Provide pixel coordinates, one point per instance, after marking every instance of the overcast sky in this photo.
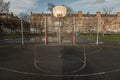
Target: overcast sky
(37, 6)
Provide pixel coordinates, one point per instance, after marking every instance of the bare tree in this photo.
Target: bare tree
(107, 19)
(69, 10)
(51, 6)
(90, 24)
(4, 6)
(24, 16)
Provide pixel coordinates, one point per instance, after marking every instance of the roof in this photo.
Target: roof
(70, 15)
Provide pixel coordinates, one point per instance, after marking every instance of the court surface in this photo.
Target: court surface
(59, 62)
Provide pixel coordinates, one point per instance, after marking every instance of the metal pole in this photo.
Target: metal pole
(73, 33)
(22, 31)
(58, 35)
(59, 32)
(74, 30)
(46, 37)
(97, 35)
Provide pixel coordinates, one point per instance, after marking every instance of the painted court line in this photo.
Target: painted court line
(81, 75)
(37, 67)
(91, 74)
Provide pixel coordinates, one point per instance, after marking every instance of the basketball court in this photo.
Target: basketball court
(61, 62)
(59, 58)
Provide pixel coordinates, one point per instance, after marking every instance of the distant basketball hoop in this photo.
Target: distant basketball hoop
(59, 11)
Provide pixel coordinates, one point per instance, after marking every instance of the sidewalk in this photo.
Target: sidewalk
(53, 41)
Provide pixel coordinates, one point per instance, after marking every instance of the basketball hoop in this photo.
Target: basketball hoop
(59, 11)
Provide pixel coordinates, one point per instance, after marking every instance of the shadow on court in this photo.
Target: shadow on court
(65, 62)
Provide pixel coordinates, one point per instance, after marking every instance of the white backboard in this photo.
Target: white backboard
(59, 11)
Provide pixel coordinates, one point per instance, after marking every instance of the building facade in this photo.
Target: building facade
(11, 23)
(84, 23)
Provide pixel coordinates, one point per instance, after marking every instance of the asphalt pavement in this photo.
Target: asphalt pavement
(59, 62)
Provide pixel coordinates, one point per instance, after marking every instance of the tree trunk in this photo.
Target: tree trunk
(0, 27)
(103, 34)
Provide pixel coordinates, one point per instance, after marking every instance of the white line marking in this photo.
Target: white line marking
(82, 75)
(91, 74)
(37, 67)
